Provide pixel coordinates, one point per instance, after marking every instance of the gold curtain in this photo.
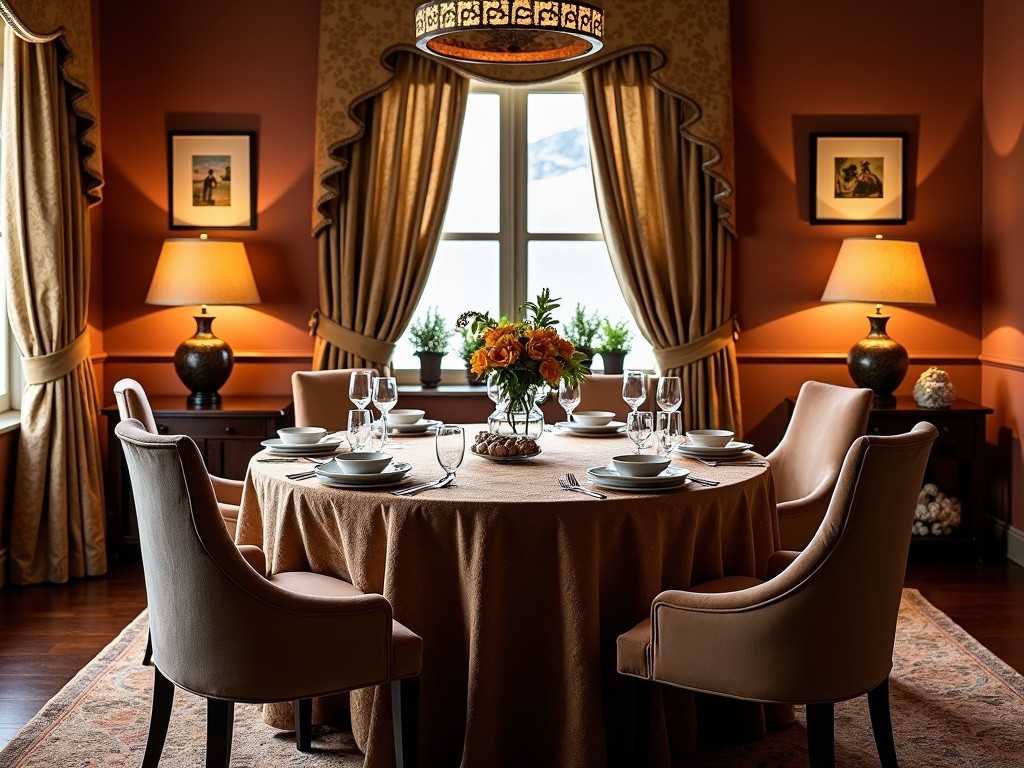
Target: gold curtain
(386, 211)
(666, 234)
(50, 172)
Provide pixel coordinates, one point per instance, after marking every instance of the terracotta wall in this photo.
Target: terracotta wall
(1002, 342)
(191, 64)
(799, 66)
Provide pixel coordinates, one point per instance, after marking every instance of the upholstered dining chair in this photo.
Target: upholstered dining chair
(805, 464)
(133, 403)
(221, 629)
(321, 397)
(603, 392)
(820, 630)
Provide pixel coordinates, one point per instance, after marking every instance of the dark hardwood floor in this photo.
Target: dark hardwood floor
(48, 633)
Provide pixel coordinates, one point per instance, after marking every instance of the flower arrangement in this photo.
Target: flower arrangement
(524, 354)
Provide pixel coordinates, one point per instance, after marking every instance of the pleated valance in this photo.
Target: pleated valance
(69, 22)
(688, 41)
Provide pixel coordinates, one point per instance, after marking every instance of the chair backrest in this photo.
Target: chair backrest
(603, 392)
(805, 465)
(321, 397)
(844, 589)
(132, 403)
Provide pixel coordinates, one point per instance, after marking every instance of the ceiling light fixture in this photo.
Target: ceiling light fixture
(509, 31)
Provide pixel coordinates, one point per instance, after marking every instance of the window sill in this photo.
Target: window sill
(10, 421)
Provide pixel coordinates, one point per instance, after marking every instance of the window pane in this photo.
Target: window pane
(581, 273)
(560, 185)
(473, 205)
(464, 277)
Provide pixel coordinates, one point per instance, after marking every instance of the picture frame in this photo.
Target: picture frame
(858, 178)
(211, 179)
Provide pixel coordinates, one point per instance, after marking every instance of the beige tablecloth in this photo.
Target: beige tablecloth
(518, 588)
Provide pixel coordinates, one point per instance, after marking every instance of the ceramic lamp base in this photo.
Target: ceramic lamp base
(877, 362)
(203, 363)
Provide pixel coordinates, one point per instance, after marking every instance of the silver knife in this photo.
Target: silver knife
(444, 481)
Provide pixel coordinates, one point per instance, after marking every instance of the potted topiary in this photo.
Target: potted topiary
(470, 343)
(429, 338)
(613, 345)
(581, 330)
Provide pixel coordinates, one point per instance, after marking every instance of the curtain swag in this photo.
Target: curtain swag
(56, 365)
(358, 344)
(698, 349)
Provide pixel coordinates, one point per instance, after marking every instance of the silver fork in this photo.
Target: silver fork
(572, 484)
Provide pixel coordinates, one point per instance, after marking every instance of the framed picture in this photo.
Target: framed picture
(858, 178)
(212, 180)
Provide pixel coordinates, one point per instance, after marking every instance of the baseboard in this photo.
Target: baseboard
(1013, 538)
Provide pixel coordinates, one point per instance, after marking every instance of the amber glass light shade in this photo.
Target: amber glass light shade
(879, 271)
(203, 271)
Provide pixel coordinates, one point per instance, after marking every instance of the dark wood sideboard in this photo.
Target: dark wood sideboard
(227, 437)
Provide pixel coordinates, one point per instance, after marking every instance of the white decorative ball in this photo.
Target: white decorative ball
(934, 389)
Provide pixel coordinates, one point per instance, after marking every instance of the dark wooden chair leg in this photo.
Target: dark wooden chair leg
(881, 724)
(159, 717)
(303, 724)
(220, 721)
(405, 719)
(636, 720)
(821, 735)
(147, 657)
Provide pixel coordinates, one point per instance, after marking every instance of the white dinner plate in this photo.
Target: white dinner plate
(331, 472)
(275, 445)
(730, 451)
(606, 477)
(421, 427)
(504, 459)
(611, 428)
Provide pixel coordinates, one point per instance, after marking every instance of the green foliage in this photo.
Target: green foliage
(582, 328)
(430, 334)
(469, 343)
(614, 338)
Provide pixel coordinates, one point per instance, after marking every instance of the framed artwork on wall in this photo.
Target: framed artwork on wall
(858, 178)
(211, 179)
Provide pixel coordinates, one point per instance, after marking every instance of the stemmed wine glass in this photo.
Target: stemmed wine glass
(450, 445)
(568, 397)
(359, 388)
(360, 423)
(670, 393)
(384, 394)
(634, 388)
(639, 426)
(668, 431)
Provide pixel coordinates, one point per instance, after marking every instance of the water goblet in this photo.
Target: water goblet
(639, 426)
(359, 384)
(568, 397)
(668, 431)
(634, 388)
(384, 394)
(360, 422)
(450, 446)
(670, 393)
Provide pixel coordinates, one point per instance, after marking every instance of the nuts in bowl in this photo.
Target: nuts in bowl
(504, 446)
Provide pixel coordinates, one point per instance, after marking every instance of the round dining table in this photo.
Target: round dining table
(518, 587)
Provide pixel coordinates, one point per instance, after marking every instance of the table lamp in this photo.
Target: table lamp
(203, 271)
(879, 271)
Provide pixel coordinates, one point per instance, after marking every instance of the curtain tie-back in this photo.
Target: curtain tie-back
(698, 349)
(359, 345)
(56, 365)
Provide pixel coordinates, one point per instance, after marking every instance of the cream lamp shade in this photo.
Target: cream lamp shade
(509, 31)
(203, 271)
(879, 271)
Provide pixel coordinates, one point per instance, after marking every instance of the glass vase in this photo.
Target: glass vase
(519, 417)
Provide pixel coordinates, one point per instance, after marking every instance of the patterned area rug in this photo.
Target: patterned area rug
(953, 703)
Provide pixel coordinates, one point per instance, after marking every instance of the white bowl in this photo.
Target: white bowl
(301, 435)
(405, 417)
(640, 464)
(592, 418)
(710, 438)
(363, 463)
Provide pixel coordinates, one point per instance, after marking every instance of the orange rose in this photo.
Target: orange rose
(543, 344)
(565, 349)
(551, 370)
(478, 362)
(492, 336)
(504, 352)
